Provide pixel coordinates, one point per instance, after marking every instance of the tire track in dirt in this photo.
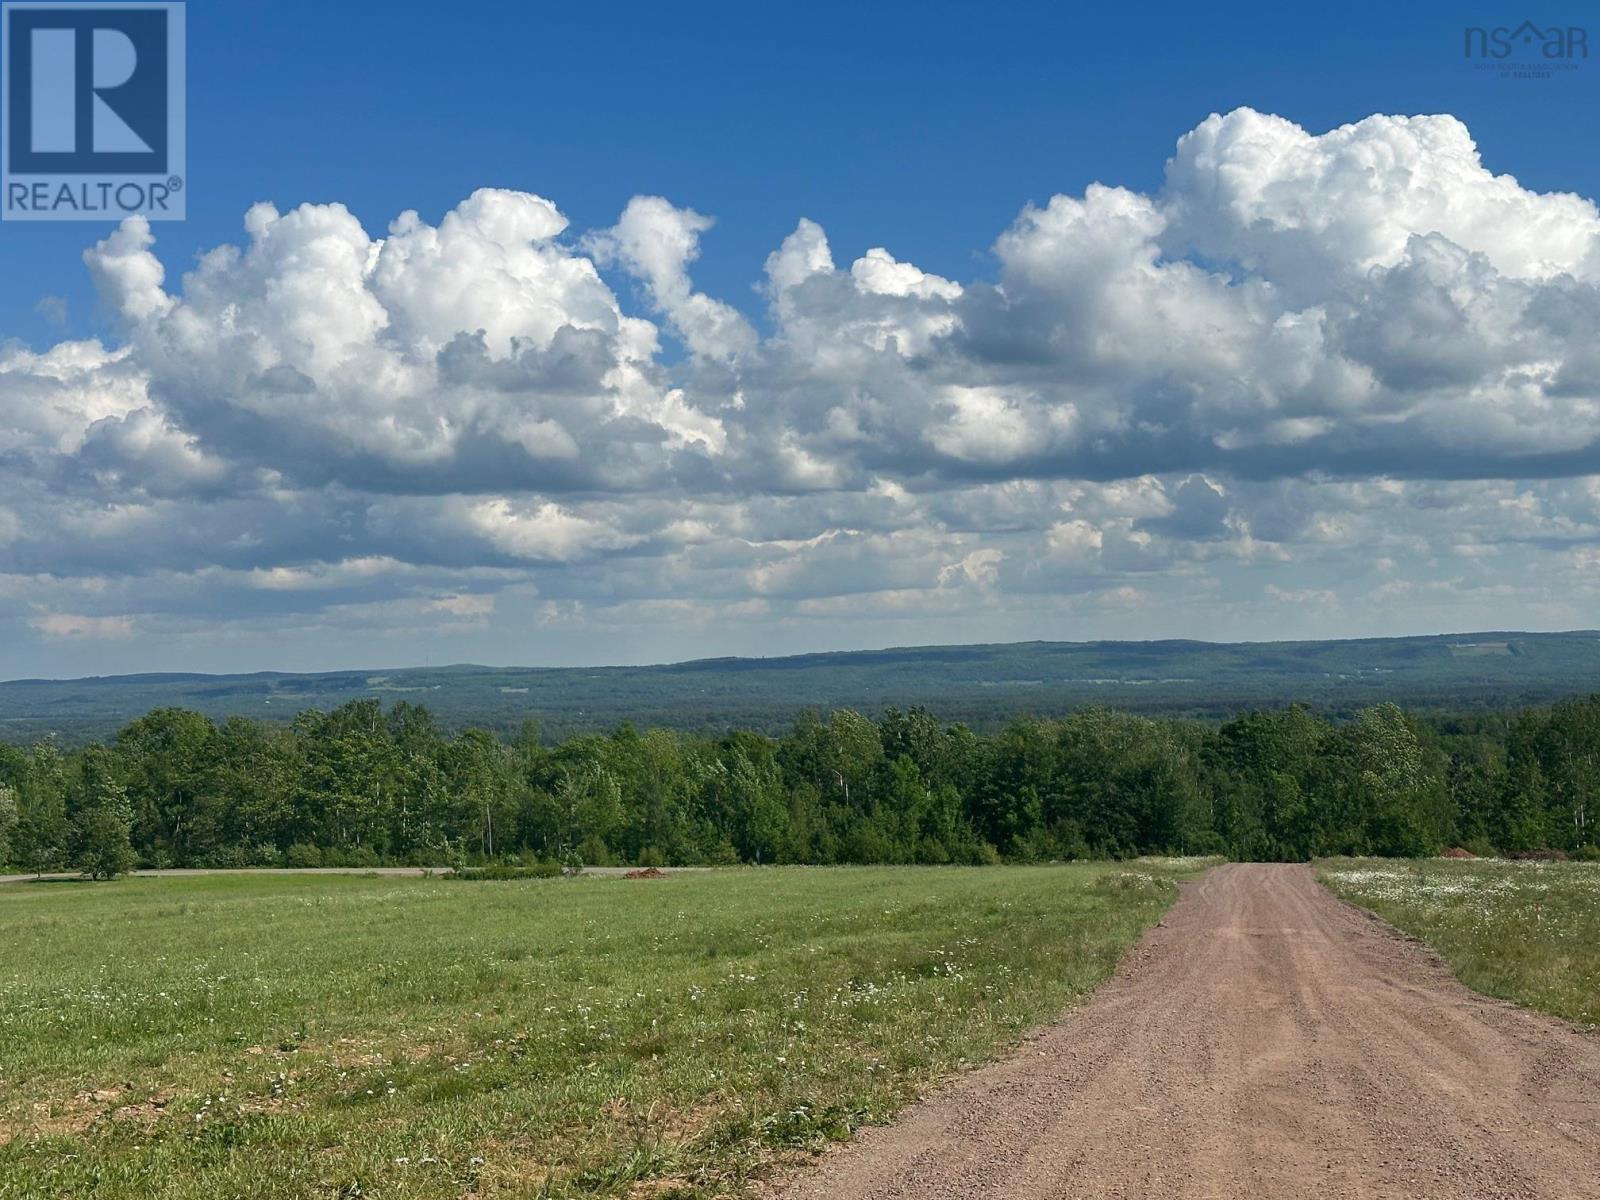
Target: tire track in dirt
(1265, 1040)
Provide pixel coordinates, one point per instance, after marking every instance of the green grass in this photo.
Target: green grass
(286, 1036)
(1522, 931)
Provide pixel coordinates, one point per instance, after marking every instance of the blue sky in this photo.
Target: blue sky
(926, 124)
(793, 329)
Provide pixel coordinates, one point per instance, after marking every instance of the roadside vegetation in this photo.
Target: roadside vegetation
(289, 1036)
(365, 786)
(1524, 931)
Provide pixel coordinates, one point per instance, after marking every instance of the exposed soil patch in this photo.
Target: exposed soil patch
(1457, 852)
(646, 873)
(1264, 1041)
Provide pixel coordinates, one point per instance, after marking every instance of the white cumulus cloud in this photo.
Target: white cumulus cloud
(1356, 369)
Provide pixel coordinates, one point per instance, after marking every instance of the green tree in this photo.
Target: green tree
(101, 818)
(8, 821)
(1400, 794)
(167, 759)
(105, 848)
(256, 772)
(349, 780)
(42, 833)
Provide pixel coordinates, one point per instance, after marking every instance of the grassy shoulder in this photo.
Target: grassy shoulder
(287, 1036)
(1522, 931)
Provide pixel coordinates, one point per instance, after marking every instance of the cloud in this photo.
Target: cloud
(73, 625)
(545, 532)
(53, 309)
(464, 606)
(656, 242)
(1296, 208)
(1355, 368)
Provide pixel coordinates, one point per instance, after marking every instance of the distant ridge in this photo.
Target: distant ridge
(982, 684)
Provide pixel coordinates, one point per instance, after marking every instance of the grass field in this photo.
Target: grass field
(1522, 931)
(287, 1036)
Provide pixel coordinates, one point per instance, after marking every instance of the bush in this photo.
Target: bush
(864, 843)
(351, 856)
(303, 854)
(265, 854)
(502, 872)
(232, 858)
(593, 851)
(722, 855)
(982, 854)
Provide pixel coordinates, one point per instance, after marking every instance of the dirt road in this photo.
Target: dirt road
(1265, 1041)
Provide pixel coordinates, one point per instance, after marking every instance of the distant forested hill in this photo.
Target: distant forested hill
(980, 685)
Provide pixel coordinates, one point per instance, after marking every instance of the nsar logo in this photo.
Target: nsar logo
(1527, 51)
(93, 120)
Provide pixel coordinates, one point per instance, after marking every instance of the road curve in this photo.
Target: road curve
(1265, 1041)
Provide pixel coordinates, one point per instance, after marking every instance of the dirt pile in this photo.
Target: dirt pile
(646, 873)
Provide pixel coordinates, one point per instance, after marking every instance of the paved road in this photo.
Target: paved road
(1266, 1041)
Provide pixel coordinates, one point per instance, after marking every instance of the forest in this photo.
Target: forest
(982, 686)
(364, 785)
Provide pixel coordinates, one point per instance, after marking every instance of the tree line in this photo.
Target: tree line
(362, 785)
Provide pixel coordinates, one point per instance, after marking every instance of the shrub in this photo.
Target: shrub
(500, 872)
(303, 854)
(350, 856)
(982, 854)
(157, 859)
(231, 858)
(722, 855)
(265, 854)
(595, 852)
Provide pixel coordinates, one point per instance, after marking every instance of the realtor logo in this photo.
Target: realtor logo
(1526, 51)
(92, 126)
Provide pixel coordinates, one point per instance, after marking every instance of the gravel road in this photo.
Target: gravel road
(1265, 1041)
